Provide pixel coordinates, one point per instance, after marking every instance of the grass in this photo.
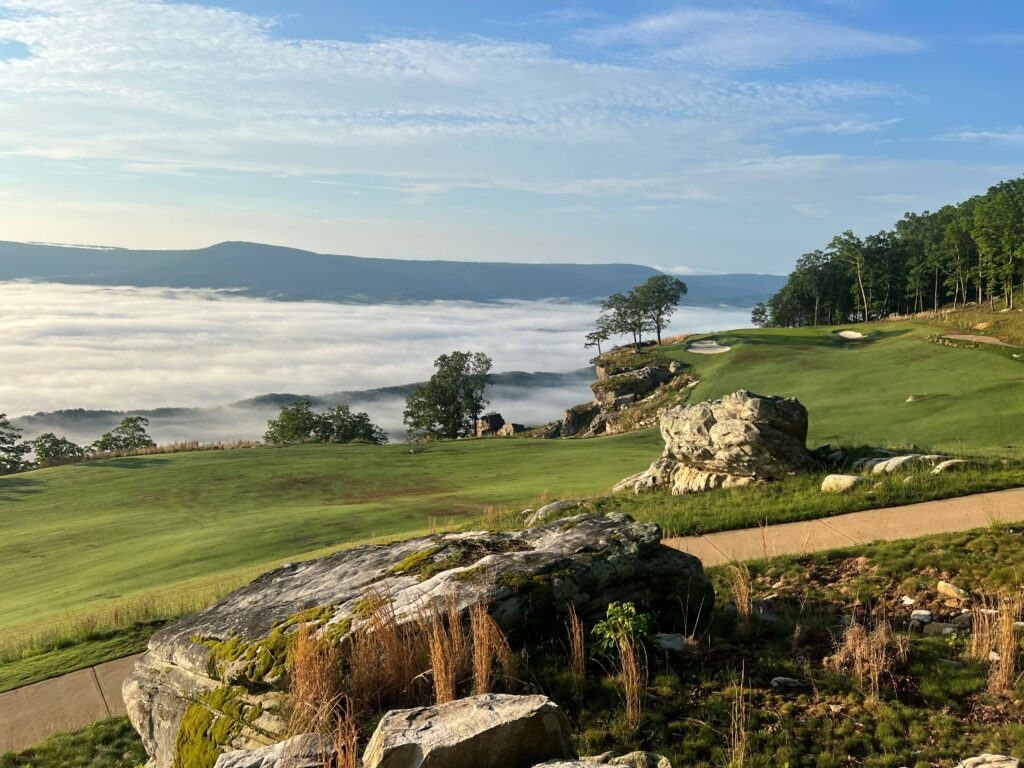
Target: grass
(79, 537)
(800, 498)
(109, 743)
(114, 644)
(856, 391)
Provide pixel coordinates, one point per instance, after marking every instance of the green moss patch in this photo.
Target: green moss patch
(209, 724)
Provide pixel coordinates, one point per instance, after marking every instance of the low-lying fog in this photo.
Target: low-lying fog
(65, 346)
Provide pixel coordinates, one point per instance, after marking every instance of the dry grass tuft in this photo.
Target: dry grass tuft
(387, 658)
(871, 656)
(344, 738)
(315, 683)
(443, 663)
(633, 675)
(742, 595)
(739, 737)
(577, 648)
(994, 640)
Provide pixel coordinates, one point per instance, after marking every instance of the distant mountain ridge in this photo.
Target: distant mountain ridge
(276, 272)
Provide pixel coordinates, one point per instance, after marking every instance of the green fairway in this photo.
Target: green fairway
(856, 391)
(90, 533)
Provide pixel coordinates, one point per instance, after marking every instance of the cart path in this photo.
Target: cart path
(888, 524)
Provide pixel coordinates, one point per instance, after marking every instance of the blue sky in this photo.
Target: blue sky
(720, 136)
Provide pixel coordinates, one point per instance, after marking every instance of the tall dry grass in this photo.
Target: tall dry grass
(741, 589)
(577, 648)
(871, 655)
(315, 686)
(633, 676)
(739, 734)
(994, 639)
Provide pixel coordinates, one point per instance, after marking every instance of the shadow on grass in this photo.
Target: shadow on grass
(14, 488)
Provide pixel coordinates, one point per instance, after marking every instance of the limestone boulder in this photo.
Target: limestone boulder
(306, 751)
(989, 761)
(739, 440)
(840, 483)
(488, 731)
(489, 425)
(220, 674)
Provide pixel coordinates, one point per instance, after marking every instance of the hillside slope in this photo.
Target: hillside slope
(88, 533)
(857, 391)
(293, 274)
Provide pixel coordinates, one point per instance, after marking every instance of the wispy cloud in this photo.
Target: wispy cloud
(850, 127)
(177, 88)
(749, 38)
(1014, 135)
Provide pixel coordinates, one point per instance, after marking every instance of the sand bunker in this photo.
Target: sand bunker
(851, 334)
(708, 347)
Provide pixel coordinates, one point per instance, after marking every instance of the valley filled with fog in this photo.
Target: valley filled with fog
(200, 354)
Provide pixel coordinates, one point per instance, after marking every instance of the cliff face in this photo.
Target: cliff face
(630, 391)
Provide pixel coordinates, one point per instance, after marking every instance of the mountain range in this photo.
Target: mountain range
(290, 274)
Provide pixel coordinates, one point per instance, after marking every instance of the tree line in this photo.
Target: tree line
(18, 455)
(971, 252)
(646, 308)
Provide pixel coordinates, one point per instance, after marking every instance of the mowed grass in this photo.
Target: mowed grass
(856, 391)
(78, 537)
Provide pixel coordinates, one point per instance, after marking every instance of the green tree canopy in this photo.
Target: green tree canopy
(658, 298)
(297, 422)
(129, 435)
(50, 449)
(448, 405)
(13, 449)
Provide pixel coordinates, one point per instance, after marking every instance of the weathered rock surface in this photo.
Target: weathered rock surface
(840, 483)
(488, 731)
(306, 751)
(899, 463)
(511, 430)
(231, 655)
(552, 511)
(949, 465)
(739, 440)
(989, 761)
(489, 424)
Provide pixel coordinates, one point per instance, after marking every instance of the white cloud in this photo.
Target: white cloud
(123, 348)
(849, 127)
(1014, 135)
(168, 88)
(749, 38)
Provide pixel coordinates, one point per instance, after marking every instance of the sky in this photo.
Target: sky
(716, 136)
(127, 348)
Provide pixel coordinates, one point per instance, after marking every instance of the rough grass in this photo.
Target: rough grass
(109, 743)
(79, 539)
(856, 391)
(113, 644)
(800, 498)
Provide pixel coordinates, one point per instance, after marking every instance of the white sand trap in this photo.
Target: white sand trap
(707, 347)
(851, 334)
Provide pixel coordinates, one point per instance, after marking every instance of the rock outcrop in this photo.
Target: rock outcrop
(488, 731)
(840, 483)
(624, 381)
(739, 440)
(489, 424)
(214, 681)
